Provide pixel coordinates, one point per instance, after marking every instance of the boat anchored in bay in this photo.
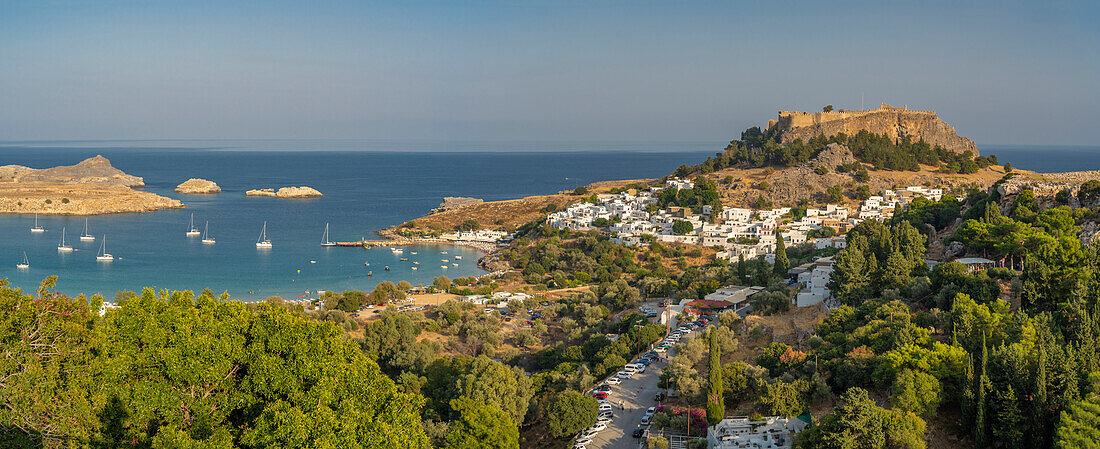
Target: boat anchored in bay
(324, 238)
(36, 227)
(206, 238)
(63, 247)
(86, 237)
(103, 255)
(26, 264)
(263, 241)
(191, 230)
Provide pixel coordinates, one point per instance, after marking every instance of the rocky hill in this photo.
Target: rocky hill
(887, 120)
(94, 170)
(803, 183)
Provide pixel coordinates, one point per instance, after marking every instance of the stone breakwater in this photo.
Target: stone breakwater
(195, 186)
(77, 199)
(287, 192)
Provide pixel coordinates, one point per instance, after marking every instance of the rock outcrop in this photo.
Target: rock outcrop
(456, 202)
(95, 170)
(198, 186)
(287, 192)
(886, 120)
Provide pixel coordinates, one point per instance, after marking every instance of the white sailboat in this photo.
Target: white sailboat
(86, 237)
(324, 238)
(458, 257)
(103, 256)
(63, 247)
(206, 238)
(263, 241)
(36, 227)
(191, 230)
(25, 264)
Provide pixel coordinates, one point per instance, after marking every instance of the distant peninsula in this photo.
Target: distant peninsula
(287, 192)
(90, 187)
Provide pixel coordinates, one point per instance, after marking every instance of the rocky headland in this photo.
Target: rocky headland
(94, 170)
(887, 120)
(287, 192)
(91, 187)
(197, 186)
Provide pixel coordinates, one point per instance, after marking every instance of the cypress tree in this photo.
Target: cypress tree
(782, 264)
(967, 405)
(981, 391)
(980, 423)
(1039, 400)
(742, 269)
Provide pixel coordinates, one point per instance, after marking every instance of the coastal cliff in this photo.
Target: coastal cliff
(893, 122)
(197, 186)
(90, 187)
(287, 192)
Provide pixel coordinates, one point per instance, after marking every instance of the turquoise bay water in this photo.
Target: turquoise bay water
(365, 191)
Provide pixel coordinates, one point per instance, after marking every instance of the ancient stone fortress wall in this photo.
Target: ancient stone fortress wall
(887, 120)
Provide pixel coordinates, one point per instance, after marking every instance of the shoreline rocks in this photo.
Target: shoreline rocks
(287, 192)
(198, 186)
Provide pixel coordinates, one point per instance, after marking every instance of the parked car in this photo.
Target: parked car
(598, 426)
(646, 419)
(584, 440)
(614, 380)
(650, 411)
(600, 394)
(605, 406)
(604, 387)
(638, 432)
(603, 419)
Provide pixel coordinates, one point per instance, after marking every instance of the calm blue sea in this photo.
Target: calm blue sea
(368, 186)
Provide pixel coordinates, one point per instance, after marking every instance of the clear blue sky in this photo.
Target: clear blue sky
(1001, 72)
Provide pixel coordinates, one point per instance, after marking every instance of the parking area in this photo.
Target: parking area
(629, 401)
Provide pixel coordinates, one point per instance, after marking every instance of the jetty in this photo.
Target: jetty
(359, 244)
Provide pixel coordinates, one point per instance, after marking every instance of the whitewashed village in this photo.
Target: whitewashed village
(738, 233)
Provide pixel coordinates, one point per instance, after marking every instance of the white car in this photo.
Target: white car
(584, 440)
(623, 375)
(606, 407)
(614, 381)
(650, 411)
(603, 419)
(598, 427)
